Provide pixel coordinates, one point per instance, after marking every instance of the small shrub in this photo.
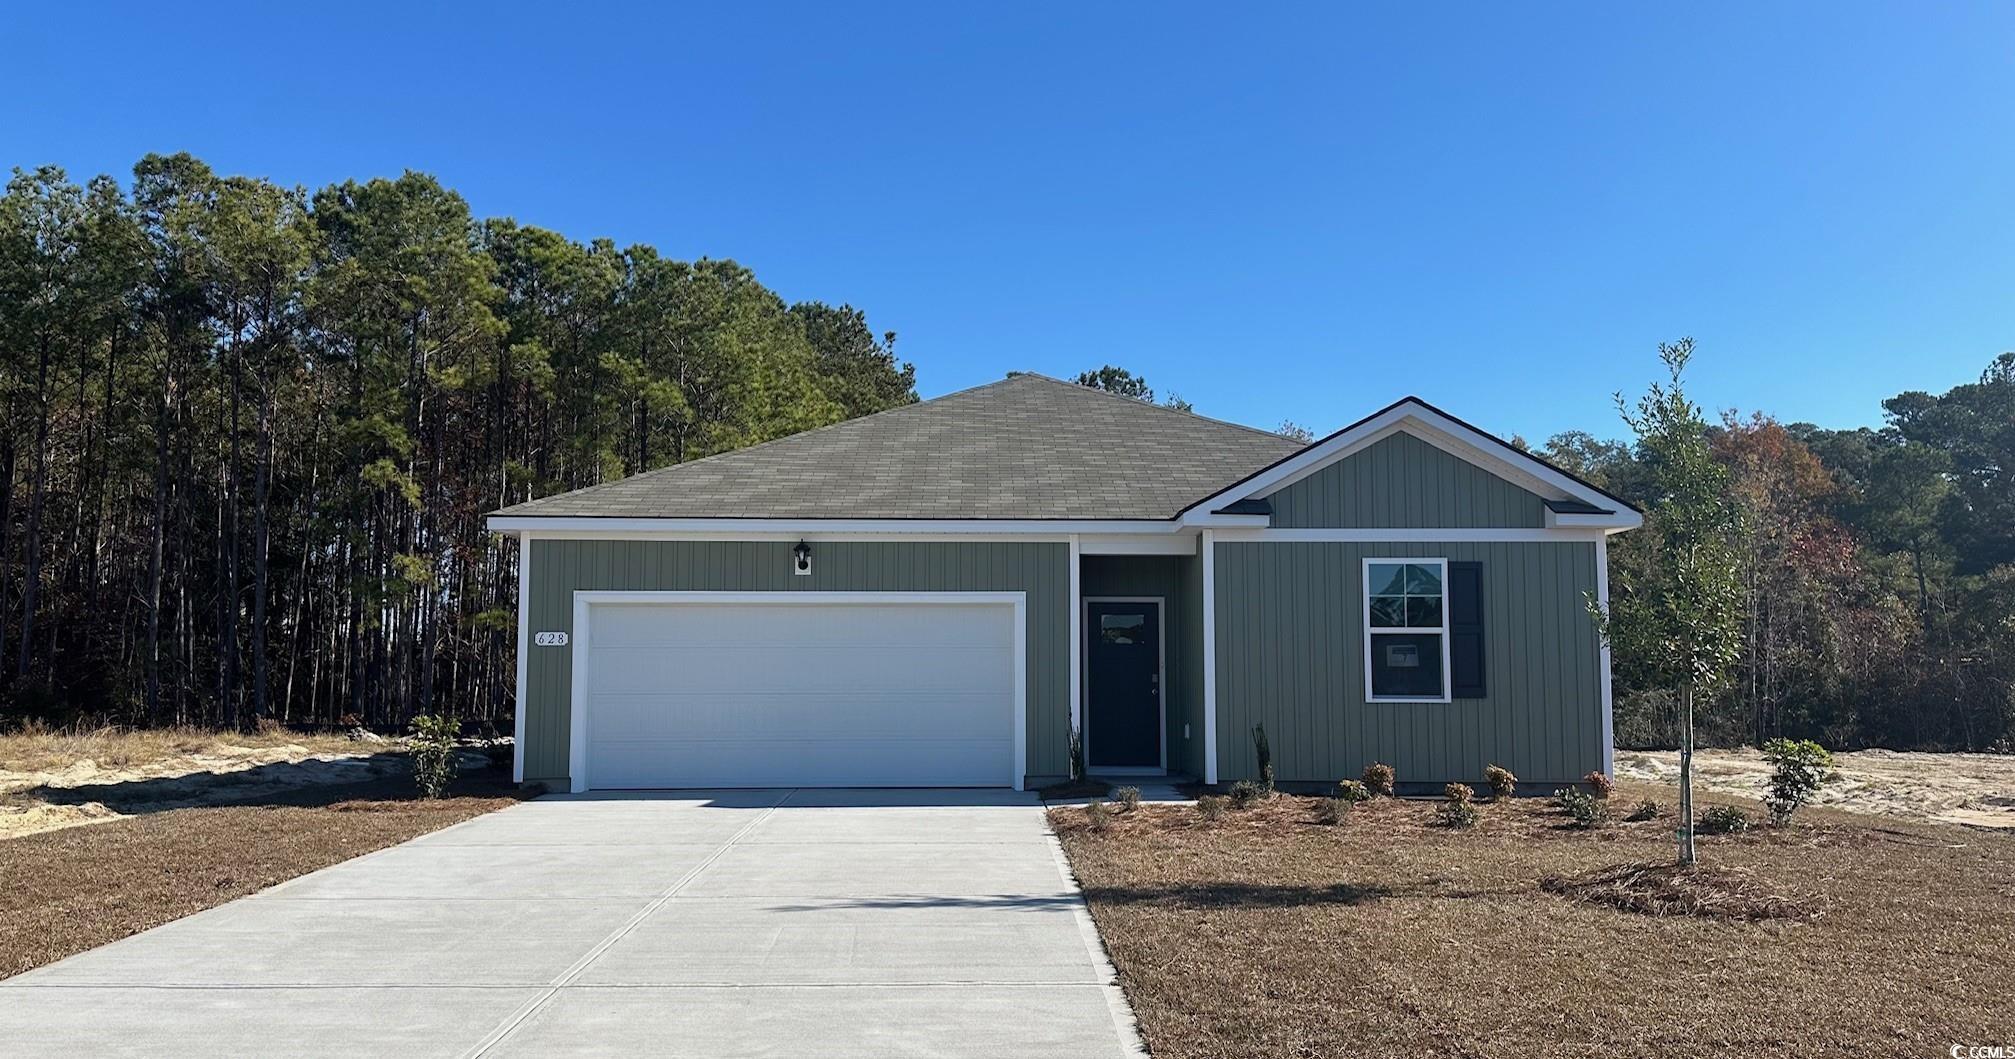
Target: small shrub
(1127, 797)
(433, 750)
(1459, 807)
(1245, 794)
(1098, 816)
(1502, 782)
(1379, 778)
(1646, 810)
(1332, 811)
(1798, 769)
(1210, 807)
(1264, 753)
(1353, 791)
(1722, 820)
(1587, 810)
(1599, 783)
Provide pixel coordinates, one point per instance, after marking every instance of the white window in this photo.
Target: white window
(1406, 630)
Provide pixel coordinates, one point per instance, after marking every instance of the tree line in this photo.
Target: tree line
(1874, 571)
(248, 432)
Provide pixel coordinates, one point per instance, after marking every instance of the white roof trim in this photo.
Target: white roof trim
(571, 526)
(1458, 439)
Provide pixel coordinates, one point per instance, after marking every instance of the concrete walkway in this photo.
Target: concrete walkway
(743, 923)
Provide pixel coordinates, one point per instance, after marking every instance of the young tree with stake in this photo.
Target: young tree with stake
(1678, 616)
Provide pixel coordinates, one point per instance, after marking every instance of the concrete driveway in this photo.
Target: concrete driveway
(744, 923)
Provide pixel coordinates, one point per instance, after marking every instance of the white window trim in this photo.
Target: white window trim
(1364, 590)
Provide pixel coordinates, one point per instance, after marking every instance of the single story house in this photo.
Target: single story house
(942, 594)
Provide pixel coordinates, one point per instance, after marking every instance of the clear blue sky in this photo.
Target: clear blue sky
(1282, 214)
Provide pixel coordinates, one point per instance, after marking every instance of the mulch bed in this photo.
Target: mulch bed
(62, 892)
(1267, 933)
(1685, 890)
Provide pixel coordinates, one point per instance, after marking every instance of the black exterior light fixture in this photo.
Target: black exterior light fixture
(801, 559)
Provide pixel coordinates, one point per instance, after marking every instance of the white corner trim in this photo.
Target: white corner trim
(1210, 656)
(518, 707)
(583, 635)
(1456, 438)
(1076, 654)
(1364, 591)
(1608, 690)
(1406, 536)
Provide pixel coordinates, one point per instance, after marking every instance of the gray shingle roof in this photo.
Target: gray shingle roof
(1027, 447)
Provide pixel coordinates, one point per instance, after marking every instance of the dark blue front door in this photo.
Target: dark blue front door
(1123, 685)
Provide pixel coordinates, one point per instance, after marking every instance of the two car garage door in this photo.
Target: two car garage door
(796, 690)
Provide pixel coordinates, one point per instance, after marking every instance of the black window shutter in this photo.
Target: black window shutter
(1465, 630)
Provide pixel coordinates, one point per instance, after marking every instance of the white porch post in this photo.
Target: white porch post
(1209, 656)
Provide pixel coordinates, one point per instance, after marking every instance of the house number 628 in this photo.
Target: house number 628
(550, 639)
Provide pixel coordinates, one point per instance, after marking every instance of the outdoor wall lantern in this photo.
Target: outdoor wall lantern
(801, 559)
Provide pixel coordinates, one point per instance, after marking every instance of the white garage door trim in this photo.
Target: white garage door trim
(582, 634)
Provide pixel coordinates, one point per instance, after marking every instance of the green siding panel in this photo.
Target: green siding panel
(1402, 482)
(562, 567)
(1290, 656)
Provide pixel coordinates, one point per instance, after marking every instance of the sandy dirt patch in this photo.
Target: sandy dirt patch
(1975, 789)
(145, 772)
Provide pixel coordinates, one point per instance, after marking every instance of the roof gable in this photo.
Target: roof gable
(1026, 447)
(1592, 507)
(1402, 482)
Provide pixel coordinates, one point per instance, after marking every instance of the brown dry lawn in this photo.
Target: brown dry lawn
(39, 748)
(1266, 933)
(62, 892)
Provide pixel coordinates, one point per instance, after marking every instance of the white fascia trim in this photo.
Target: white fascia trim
(1215, 518)
(577, 765)
(1137, 543)
(1406, 536)
(1611, 523)
(755, 528)
(524, 643)
(1209, 656)
(1417, 419)
(1608, 690)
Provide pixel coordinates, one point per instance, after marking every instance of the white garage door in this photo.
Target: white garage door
(793, 693)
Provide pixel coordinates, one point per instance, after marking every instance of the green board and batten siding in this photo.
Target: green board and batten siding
(562, 567)
(1402, 482)
(1290, 655)
(1290, 628)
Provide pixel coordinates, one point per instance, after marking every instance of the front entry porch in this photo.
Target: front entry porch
(1140, 657)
